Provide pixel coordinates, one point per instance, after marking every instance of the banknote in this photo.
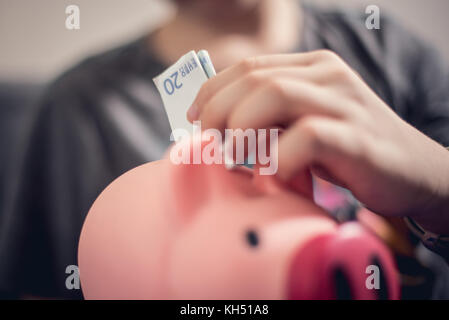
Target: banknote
(178, 87)
(180, 83)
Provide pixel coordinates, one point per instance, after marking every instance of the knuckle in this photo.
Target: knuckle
(363, 146)
(254, 79)
(327, 55)
(248, 64)
(204, 95)
(207, 120)
(277, 87)
(235, 121)
(317, 139)
(339, 72)
(358, 149)
(206, 106)
(309, 128)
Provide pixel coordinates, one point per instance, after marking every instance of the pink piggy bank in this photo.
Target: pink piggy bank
(166, 231)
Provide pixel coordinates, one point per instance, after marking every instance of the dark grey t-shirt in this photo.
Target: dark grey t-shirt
(104, 117)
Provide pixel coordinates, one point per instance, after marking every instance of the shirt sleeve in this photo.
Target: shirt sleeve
(427, 94)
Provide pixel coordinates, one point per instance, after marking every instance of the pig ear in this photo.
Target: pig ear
(188, 183)
(190, 190)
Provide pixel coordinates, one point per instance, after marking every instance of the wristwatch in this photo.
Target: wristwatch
(434, 242)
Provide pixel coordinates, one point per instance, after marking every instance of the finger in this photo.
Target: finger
(324, 174)
(212, 86)
(279, 103)
(220, 105)
(330, 143)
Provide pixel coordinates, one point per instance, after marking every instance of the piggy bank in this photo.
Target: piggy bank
(198, 231)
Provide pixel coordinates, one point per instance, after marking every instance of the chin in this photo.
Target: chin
(219, 7)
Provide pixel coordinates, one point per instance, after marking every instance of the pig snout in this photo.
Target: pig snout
(348, 264)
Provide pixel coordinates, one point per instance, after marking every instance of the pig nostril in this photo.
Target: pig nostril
(252, 238)
(342, 285)
(382, 292)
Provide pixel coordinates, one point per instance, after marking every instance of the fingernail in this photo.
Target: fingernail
(192, 113)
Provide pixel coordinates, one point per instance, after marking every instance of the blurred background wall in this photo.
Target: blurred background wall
(36, 46)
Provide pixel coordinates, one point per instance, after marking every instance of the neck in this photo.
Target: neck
(271, 26)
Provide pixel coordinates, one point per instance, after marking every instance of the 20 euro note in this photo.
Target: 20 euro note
(179, 85)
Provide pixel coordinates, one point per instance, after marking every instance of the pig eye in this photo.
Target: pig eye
(252, 238)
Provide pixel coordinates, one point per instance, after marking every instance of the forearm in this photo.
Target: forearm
(435, 217)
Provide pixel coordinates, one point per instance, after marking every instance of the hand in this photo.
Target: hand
(335, 124)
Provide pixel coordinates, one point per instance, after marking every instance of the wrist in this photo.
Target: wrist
(433, 215)
(436, 221)
(435, 242)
